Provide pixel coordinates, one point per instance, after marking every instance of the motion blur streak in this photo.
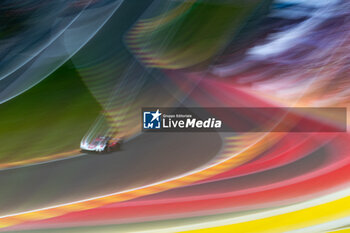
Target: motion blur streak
(202, 41)
(46, 42)
(199, 53)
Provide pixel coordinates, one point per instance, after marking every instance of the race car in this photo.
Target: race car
(101, 144)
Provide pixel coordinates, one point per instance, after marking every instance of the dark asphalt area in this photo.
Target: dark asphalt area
(148, 158)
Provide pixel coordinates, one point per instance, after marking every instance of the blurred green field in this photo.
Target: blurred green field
(50, 118)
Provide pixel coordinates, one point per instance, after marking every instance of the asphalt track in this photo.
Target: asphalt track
(146, 159)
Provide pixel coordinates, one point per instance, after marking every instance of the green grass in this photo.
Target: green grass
(50, 118)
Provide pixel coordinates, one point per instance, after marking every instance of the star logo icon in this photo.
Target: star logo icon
(156, 115)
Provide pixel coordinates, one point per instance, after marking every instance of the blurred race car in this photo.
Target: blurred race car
(101, 144)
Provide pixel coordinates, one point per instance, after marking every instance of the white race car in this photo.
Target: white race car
(101, 144)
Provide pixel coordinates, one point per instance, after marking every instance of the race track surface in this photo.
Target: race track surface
(149, 158)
